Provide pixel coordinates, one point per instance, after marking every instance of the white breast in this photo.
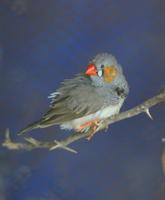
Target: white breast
(101, 114)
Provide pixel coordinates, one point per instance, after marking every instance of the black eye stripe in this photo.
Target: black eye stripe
(102, 72)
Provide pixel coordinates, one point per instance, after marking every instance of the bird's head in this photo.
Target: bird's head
(104, 70)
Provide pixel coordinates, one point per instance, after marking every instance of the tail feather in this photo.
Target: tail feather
(42, 123)
(29, 128)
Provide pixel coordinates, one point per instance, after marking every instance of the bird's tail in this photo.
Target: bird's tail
(29, 127)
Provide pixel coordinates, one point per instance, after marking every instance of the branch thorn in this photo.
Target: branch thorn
(7, 135)
(62, 146)
(148, 113)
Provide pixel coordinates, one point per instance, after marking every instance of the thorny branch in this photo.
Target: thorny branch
(32, 143)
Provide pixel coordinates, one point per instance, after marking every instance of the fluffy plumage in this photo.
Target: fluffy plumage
(84, 98)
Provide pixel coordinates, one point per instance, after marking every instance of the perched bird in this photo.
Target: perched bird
(88, 98)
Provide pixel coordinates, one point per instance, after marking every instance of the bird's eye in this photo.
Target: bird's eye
(100, 73)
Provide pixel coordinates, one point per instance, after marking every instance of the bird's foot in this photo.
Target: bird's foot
(92, 131)
(91, 127)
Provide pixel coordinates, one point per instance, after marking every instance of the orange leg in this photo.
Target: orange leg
(92, 126)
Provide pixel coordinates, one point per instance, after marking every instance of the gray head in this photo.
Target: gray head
(104, 71)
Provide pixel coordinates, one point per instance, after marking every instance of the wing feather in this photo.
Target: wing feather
(76, 98)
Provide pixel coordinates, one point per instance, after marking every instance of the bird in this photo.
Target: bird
(87, 99)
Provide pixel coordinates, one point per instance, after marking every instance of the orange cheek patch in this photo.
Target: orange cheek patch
(110, 73)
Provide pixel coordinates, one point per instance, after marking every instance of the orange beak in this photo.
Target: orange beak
(91, 70)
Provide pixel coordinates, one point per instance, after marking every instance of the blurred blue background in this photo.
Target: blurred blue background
(42, 43)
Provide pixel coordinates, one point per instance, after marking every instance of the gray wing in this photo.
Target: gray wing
(76, 98)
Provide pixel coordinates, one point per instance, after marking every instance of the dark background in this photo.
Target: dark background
(46, 41)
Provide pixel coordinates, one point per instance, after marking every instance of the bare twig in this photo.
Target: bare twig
(32, 143)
